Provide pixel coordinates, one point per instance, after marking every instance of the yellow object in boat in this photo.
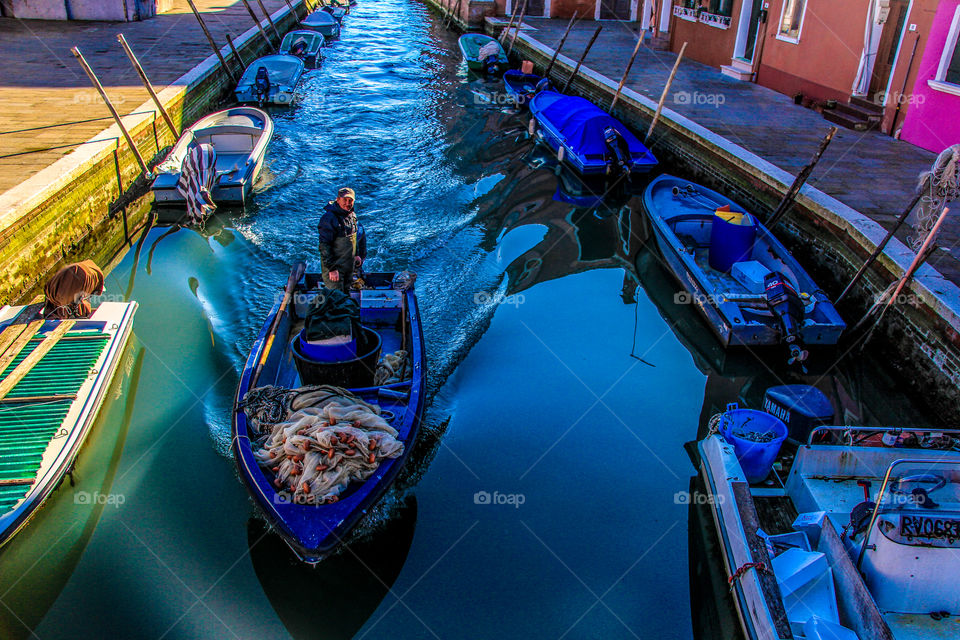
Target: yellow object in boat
(734, 217)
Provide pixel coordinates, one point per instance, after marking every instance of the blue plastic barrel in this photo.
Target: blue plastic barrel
(731, 243)
(340, 352)
(756, 458)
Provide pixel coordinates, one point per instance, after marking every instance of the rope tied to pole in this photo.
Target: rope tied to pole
(761, 567)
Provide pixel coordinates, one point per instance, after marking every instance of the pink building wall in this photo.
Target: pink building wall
(933, 116)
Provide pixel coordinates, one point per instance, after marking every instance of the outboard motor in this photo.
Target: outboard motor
(261, 85)
(299, 48)
(618, 149)
(542, 85)
(491, 66)
(788, 309)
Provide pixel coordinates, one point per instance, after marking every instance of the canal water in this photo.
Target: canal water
(547, 498)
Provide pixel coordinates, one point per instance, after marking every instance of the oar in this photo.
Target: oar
(292, 281)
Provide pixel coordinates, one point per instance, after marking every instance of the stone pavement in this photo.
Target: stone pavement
(47, 101)
(868, 171)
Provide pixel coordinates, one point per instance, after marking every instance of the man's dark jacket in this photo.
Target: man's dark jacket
(338, 230)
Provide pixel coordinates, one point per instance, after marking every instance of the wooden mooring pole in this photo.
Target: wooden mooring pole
(256, 21)
(880, 247)
(106, 100)
(623, 80)
(503, 34)
(146, 83)
(516, 30)
(293, 11)
(563, 38)
(236, 54)
(666, 90)
(213, 44)
(270, 20)
(801, 178)
(576, 69)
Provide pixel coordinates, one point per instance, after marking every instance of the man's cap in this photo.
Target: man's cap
(346, 192)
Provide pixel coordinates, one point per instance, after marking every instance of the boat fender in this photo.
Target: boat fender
(561, 153)
(532, 127)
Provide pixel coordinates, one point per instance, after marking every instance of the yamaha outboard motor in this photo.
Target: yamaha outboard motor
(788, 309)
(299, 48)
(491, 66)
(618, 149)
(261, 85)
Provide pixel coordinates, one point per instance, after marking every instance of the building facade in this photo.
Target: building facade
(886, 64)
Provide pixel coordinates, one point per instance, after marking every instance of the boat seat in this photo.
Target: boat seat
(227, 162)
(232, 143)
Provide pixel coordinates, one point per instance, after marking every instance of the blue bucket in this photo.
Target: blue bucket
(731, 243)
(756, 458)
(340, 352)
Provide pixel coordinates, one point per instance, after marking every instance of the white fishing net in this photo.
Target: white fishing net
(938, 187)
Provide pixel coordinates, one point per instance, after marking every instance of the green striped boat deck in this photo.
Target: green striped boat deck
(26, 429)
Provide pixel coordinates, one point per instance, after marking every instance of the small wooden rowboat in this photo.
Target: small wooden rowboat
(322, 22)
(586, 137)
(522, 86)
(239, 136)
(313, 531)
(304, 44)
(493, 63)
(270, 80)
(54, 376)
(682, 215)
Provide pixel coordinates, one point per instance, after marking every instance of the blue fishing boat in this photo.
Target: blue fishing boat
(304, 44)
(764, 298)
(523, 86)
(874, 544)
(586, 137)
(336, 11)
(386, 399)
(322, 22)
(270, 80)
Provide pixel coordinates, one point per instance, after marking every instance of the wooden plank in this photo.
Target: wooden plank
(10, 353)
(31, 399)
(14, 329)
(9, 482)
(8, 383)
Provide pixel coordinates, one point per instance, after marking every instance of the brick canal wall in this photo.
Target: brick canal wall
(467, 14)
(920, 335)
(97, 191)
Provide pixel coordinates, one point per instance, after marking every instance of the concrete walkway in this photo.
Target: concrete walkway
(868, 171)
(47, 101)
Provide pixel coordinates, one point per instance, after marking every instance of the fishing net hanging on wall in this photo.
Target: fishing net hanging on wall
(937, 187)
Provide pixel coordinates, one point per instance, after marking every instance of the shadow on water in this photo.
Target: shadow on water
(334, 600)
(35, 565)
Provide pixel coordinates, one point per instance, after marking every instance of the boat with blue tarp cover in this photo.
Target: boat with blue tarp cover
(381, 379)
(588, 138)
(764, 297)
(54, 376)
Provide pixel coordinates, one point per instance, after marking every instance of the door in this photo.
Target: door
(615, 9)
(754, 26)
(535, 8)
(887, 49)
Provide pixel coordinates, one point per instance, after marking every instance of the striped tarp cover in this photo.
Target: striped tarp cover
(197, 175)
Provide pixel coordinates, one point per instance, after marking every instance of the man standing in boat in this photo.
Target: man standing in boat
(343, 242)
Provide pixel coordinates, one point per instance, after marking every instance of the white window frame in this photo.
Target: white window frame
(803, 18)
(939, 81)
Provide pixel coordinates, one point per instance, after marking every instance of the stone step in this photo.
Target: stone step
(856, 111)
(867, 105)
(736, 73)
(848, 121)
(742, 64)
